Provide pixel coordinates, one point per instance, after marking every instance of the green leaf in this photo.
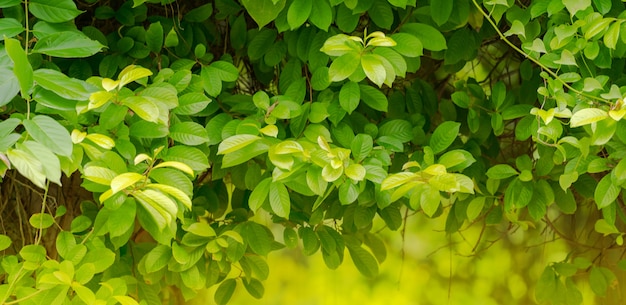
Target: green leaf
(226, 71)
(289, 236)
(255, 288)
(199, 14)
(236, 142)
(444, 135)
(243, 155)
(310, 240)
(226, 289)
(279, 199)
(456, 160)
(373, 98)
(9, 86)
(501, 171)
(475, 207)
(372, 64)
(263, 11)
(9, 3)
(361, 146)
(62, 85)
(430, 200)
(257, 238)
(348, 193)
(54, 11)
(143, 107)
(573, 6)
(211, 80)
(154, 37)
(50, 162)
(440, 11)
(343, 66)
(341, 44)
(611, 37)
(41, 220)
(33, 253)
(546, 285)
(349, 96)
(299, 12)
(189, 133)
(430, 37)
(191, 156)
(21, 66)
(321, 15)
(122, 181)
(599, 279)
(97, 174)
(5, 242)
(148, 130)
(124, 300)
(67, 45)
(363, 260)
(171, 39)
(191, 103)
(408, 45)
(157, 258)
(259, 194)
(606, 192)
(162, 209)
(10, 27)
(48, 132)
(315, 181)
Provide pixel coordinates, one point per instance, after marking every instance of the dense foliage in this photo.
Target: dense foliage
(183, 120)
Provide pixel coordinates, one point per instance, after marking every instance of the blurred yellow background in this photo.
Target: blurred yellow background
(436, 269)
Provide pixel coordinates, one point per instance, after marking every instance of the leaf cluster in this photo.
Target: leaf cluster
(331, 116)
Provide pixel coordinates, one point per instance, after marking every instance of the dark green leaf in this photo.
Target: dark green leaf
(364, 261)
(154, 37)
(441, 10)
(373, 98)
(444, 135)
(255, 288)
(279, 199)
(199, 14)
(225, 290)
(263, 11)
(430, 37)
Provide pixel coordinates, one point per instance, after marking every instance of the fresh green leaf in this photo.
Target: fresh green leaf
(67, 45)
(54, 11)
(279, 199)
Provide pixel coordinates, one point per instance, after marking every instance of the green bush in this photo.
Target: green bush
(140, 138)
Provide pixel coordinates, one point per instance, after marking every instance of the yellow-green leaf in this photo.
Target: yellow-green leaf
(177, 165)
(131, 74)
(235, 143)
(355, 171)
(99, 99)
(587, 116)
(124, 180)
(174, 192)
(396, 180)
(101, 140)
